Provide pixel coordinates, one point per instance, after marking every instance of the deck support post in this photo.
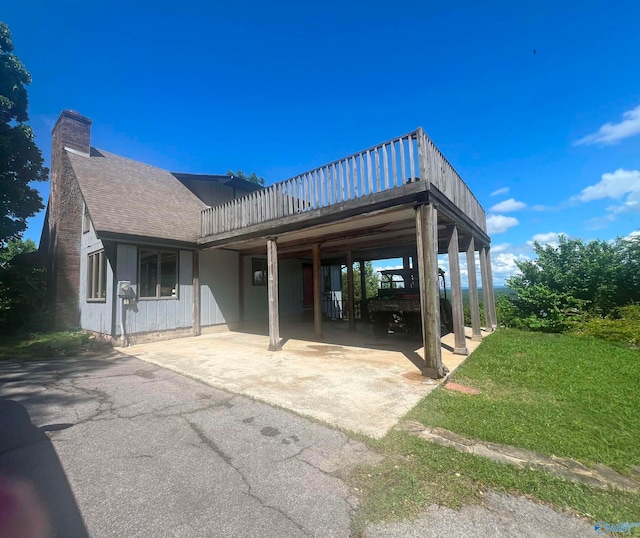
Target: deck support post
(317, 296)
(476, 335)
(351, 296)
(427, 241)
(486, 289)
(196, 328)
(492, 295)
(460, 345)
(364, 314)
(272, 282)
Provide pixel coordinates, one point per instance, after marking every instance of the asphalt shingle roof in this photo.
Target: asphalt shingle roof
(129, 197)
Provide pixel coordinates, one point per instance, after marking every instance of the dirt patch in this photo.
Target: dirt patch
(457, 387)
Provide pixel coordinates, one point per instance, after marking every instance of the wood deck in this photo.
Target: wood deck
(392, 173)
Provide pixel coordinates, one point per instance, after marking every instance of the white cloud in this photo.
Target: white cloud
(500, 248)
(507, 206)
(503, 265)
(616, 185)
(613, 185)
(497, 224)
(635, 233)
(550, 238)
(503, 190)
(610, 133)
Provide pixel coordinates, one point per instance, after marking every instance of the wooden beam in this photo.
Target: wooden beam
(426, 236)
(351, 296)
(272, 283)
(476, 335)
(317, 296)
(364, 313)
(196, 327)
(486, 301)
(460, 345)
(492, 295)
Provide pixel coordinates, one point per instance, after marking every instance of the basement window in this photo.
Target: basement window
(158, 274)
(97, 277)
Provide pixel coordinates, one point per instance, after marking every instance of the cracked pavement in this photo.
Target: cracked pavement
(149, 452)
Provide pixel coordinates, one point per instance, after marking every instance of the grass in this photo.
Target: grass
(558, 394)
(48, 344)
(416, 473)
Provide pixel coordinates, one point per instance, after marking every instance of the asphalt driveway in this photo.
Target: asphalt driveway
(132, 449)
(149, 452)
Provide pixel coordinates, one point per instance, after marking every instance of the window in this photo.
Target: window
(258, 272)
(158, 272)
(97, 277)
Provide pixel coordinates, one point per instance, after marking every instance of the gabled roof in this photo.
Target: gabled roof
(127, 197)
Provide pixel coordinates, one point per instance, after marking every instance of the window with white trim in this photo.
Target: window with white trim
(97, 276)
(158, 274)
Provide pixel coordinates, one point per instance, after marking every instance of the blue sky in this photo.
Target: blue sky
(536, 104)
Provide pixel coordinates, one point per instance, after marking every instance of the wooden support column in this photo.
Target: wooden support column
(488, 321)
(364, 313)
(351, 296)
(427, 240)
(476, 335)
(241, 287)
(272, 283)
(196, 328)
(317, 296)
(492, 295)
(460, 345)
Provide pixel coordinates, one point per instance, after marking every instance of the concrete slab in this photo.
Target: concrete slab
(349, 379)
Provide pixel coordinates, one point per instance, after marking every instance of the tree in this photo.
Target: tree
(253, 178)
(15, 247)
(370, 277)
(20, 159)
(22, 286)
(574, 279)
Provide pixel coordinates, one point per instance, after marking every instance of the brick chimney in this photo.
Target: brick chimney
(72, 131)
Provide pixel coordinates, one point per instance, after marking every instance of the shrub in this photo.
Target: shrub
(624, 328)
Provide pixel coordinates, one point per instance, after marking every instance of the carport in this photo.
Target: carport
(399, 199)
(350, 380)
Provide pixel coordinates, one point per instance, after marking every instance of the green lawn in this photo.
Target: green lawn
(571, 396)
(566, 395)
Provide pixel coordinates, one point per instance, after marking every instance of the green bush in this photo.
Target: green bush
(22, 299)
(467, 314)
(574, 282)
(622, 327)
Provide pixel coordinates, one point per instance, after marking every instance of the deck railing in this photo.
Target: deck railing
(380, 168)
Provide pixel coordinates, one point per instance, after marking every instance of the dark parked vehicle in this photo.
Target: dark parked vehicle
(397, 307)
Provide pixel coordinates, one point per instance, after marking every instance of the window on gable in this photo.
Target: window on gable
(97, 277)
(158, 274)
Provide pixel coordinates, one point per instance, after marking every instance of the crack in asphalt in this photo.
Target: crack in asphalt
(209, 443)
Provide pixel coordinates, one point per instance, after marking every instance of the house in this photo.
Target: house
(137, 252)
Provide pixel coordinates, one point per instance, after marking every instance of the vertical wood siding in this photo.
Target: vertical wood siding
(219, 287)
(155, 314)
(94, 316)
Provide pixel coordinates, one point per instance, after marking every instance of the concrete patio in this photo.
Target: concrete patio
(350, 379)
